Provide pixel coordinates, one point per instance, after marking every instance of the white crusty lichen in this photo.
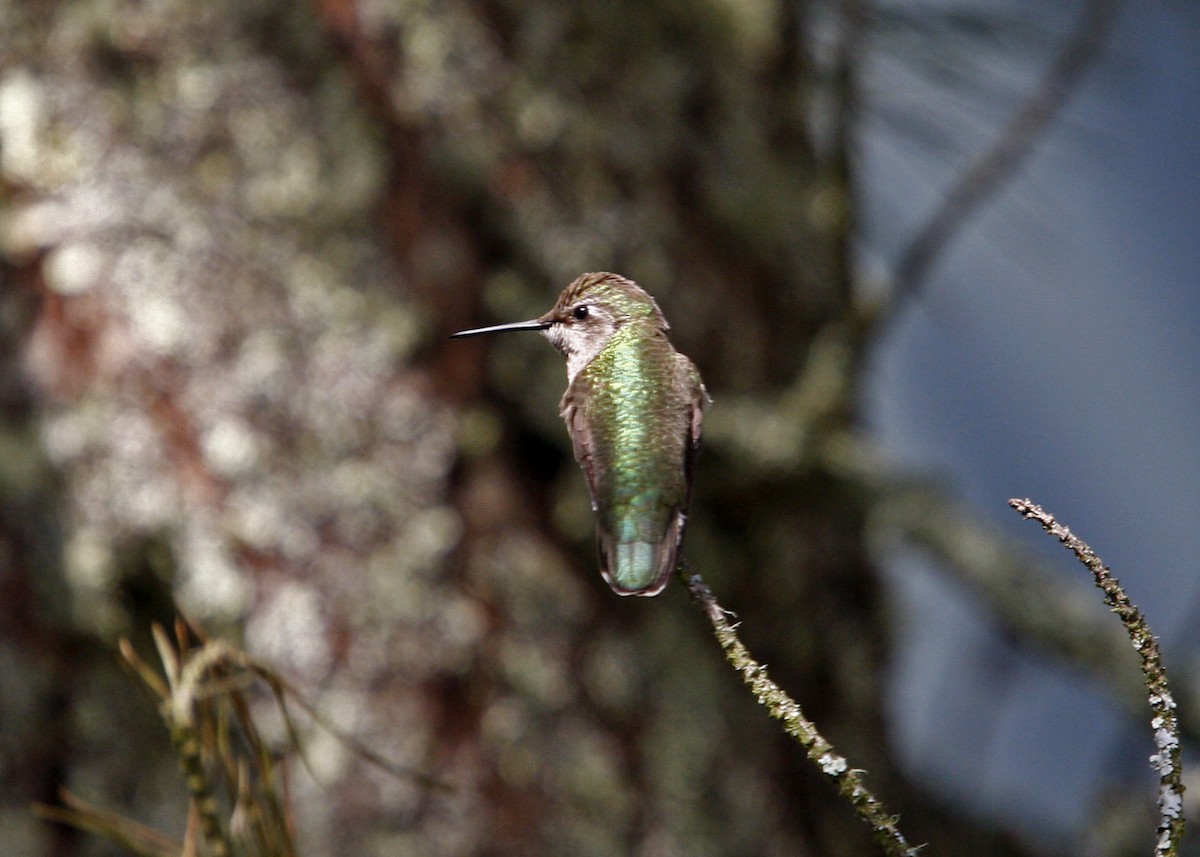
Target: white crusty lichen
(833, 764)
(1170, 802)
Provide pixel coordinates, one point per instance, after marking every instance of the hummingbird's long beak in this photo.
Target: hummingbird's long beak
(532, 324)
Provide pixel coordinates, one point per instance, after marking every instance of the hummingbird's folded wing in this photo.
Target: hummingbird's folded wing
(689, 378)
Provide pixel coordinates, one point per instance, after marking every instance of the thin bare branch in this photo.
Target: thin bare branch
(228, 767)
(129, 834)
(987, 174)
(283, 691)
(1166, 761)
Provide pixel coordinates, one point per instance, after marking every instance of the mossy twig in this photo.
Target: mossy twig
(849, 781)
(1166, 761)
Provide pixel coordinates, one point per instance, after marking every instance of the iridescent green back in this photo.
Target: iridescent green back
(638, 417)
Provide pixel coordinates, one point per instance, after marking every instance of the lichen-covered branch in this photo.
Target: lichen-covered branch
(849, 781)
(1167, 760)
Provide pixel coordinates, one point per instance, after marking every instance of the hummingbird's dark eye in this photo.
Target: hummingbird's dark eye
(580, 312)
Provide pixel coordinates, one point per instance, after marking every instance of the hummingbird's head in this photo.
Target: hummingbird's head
(587, 314)
(591, 310)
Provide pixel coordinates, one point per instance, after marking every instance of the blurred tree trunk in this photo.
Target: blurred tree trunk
(236, 234)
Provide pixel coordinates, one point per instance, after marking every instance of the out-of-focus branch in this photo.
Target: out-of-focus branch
(996, 165)
(799, 431)
(1029, 601)
(1166, 761)
(226, 762)
(134, 837)
(838, 166)
(849, 781)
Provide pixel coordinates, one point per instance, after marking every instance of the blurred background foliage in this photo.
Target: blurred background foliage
(235, 235)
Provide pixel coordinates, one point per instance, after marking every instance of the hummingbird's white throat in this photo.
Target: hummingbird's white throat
(580, 341)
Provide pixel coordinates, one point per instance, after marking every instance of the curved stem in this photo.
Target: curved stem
(1167, 760)
(849, 781)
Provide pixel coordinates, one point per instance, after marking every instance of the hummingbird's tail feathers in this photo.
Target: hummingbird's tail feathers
(640, 567)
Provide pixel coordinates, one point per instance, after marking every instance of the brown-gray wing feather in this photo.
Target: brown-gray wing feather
(696, 407)
(579, 430)
(688, 379)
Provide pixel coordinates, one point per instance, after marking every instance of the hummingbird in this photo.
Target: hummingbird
(633, 408)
